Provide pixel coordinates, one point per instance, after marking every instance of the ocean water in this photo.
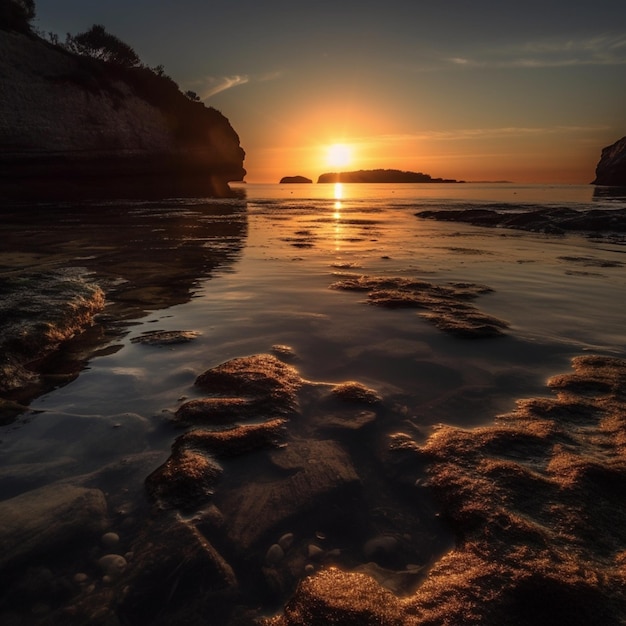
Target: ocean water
(251, 273)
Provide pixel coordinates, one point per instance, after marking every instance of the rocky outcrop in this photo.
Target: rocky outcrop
(294, 179)
(71, 126)
(611, 169)
(548, 220)
(381, 176)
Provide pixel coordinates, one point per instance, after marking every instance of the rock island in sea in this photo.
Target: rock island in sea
(74, 126)
(381, 176)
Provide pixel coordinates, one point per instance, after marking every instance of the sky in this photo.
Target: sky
(488, 90)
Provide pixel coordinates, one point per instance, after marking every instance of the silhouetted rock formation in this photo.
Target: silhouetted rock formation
(381, 176)
(611, 169)
(72, 126)
(295, 179)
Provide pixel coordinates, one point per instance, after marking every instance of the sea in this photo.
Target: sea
(268, 272)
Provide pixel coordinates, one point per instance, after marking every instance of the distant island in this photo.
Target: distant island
(294, 179)
(382, 176)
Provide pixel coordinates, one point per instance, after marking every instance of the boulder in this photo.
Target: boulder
(611, 169)
(47, 519)
(316, 474)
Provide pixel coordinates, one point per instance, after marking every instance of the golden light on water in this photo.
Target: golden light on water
(338, 195)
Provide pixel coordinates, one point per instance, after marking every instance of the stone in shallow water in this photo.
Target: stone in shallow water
(234, 441)
(316, 472)
(445, 305)
(261, 376)
(186, 480)
(165, 337)
(335, 597)
(215, 411)
(112, 565)
(48, 518)
(356, 392)
(177, 567)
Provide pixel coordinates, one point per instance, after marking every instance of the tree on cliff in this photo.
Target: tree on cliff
(16, 14)
(99, 44)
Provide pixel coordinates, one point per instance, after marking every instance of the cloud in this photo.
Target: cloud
(482, 133)
(212, 85)
(600, 50)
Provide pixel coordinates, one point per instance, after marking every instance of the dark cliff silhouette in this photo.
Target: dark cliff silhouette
(611, 169)
(76, 126)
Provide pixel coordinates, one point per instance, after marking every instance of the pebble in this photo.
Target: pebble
(80, 578)
(112, 565)
(383, 545)
(286, 541)
(314, 551)
(309, 569)
(274, 554)
(110, 539)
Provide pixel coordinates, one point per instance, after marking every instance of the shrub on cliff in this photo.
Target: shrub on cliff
(99, 44)
(16, 15)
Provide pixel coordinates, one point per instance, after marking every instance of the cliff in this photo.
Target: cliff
(72, 126)
(611, 169)
(380, 176)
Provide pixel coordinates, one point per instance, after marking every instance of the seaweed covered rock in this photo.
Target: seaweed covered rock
(446, 306)
(536, 502)
(38, 311)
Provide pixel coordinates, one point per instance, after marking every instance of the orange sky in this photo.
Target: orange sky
(483, 90)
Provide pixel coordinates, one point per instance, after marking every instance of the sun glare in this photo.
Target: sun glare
(339, 155)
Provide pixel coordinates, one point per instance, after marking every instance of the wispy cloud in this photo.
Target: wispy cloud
(508, 132)
(601, 50)
(212, 85)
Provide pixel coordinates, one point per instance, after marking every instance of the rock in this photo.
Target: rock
(261, 376)
(286, 541)
(215, 411)
(447, 306)
(38, 311)
(356, 392)
(74, 126)
(294, 179)
(112, 565)
(318, 479)
(335, 597)
(186, 480)
(234, 441)
(381, 548)
(274, 555)
(165, 337)
(348, 420)
(549, 220)
(47, 519)
(110, 539)
(611, 169)
(173, 560)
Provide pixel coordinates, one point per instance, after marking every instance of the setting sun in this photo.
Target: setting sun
(338, 155)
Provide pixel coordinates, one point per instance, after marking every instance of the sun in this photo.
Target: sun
(339, 155)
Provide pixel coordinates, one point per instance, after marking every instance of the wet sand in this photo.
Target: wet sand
(430, 487)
